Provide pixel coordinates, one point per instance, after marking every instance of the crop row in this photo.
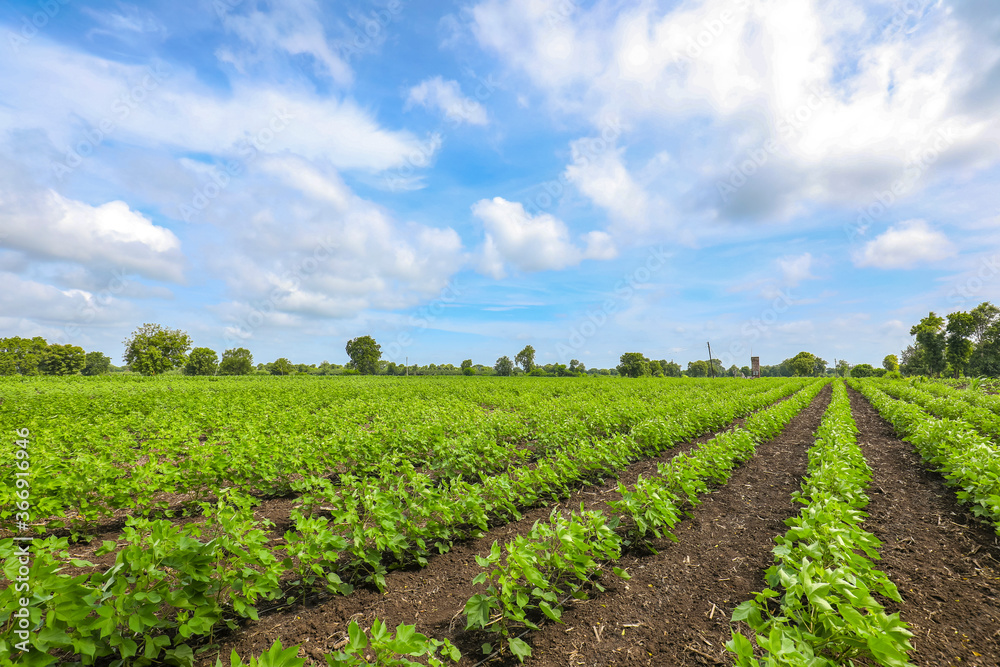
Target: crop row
(967, 460)
(823, 578)
(942, 401)
(531, 577)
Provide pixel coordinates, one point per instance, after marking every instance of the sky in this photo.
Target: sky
(461, 179)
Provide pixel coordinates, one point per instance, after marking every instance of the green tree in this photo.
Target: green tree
(63, 360)
(153, 349)
(983, 317)
(655, 369)
(504, 367)
(364, 353)
(671, 369)
(986, 358)
(911, 361)
(21, 355)
(237, 361)
(890, 363)
(803, 364)
(959, 347)
(576, 368)
(280, 366)
(864, 371)
(931, 338)
(97, 363)
(201, 361)
(467, 367)
(526, 359)
(843, 368)
(633, 365)
(697, 369)
(745, 370)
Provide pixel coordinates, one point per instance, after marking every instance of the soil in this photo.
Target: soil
(720, 560)
(942, 560)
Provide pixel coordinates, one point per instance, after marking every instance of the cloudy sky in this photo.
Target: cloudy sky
(460, 179)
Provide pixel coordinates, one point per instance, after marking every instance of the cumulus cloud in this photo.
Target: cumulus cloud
(446, 97)
(904, 246)
(532, 243)
(47, 225)
(795, 269)
(603, 178)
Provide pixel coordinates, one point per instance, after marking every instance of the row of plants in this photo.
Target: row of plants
(819, 608)
(102, 447)
(530, 578)
(942, 401)
(173, 585)
(967, 459)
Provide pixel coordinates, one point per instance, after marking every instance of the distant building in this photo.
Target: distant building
(755, 367)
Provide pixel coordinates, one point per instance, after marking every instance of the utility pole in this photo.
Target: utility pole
(711, 364)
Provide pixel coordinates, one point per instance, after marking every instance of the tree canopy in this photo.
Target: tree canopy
(365, 354)
(153, 349)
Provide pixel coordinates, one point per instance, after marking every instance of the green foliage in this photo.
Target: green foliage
(21, 356)
(467, 367)
(97, 363)
(958, 346)
(201, 361)
(63, 360)
(891, 362)
(633, 365)
(280, 366)
(153, 349)
(365, 354)
(698, 369)
(526, 359)
(504, 367)
(236, 361)
(863, 371)
(931, 340)
(819, 609)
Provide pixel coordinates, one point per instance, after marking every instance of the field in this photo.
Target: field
(455, 520)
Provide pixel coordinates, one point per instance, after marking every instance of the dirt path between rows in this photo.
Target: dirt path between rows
(429, 597)
(676, 608)
(943, 561)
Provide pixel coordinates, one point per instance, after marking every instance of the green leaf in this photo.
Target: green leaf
(519, 648)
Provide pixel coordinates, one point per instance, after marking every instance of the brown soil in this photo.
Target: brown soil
(671, 593)
(943, 561)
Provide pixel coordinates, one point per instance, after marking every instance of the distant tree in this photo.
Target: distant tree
(891, 362)
(983, 317)
(364, 353)
(201, 361)
(670, 368)
(633, 365)
(697, 369)
(957, 344)
(733, 371)
(390, 368)
(504, 367)
(467, 367)
(96, 363)
(655, 369)
(153, 349)
(803, 364)
(237, 361)
(931, 338)
(21, 356)
(819, 369)
(280, 366)
(745, 370)
(62, 360)
(986, 359)
(576, 368)
(526, 359)
(864, 371)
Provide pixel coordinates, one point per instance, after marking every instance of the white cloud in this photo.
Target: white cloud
(603, 178)
(293, 27)
(795, 269)
(446, 97)
(531, 243)
(904, 246)
(153, 107)
(49, 226)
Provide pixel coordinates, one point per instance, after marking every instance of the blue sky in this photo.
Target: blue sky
(460, 179)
